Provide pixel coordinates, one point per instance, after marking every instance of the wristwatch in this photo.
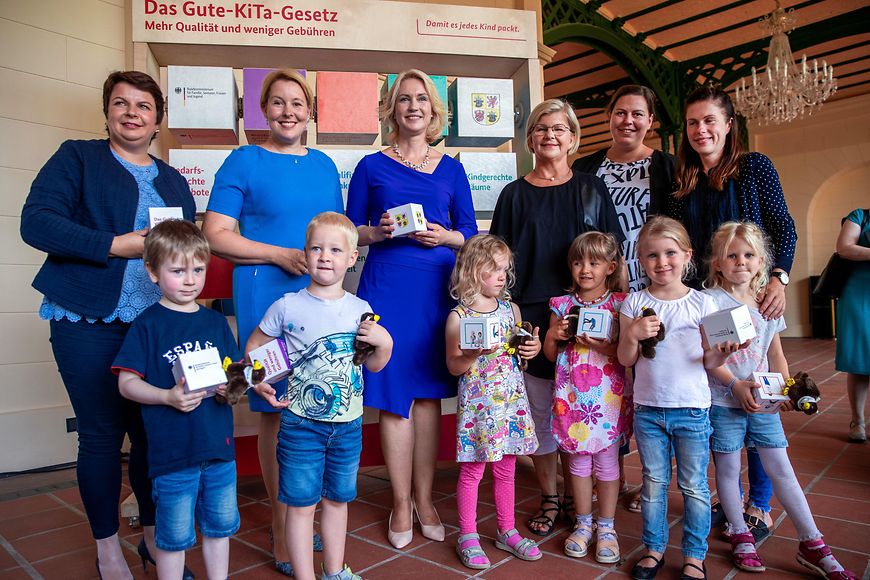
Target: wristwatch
(783, 277)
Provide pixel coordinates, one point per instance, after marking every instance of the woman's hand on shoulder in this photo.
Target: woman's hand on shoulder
(773, 303)
(290, 260)
(129, 245)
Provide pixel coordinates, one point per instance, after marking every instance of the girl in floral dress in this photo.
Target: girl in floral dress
(591, 411)
(493, 420)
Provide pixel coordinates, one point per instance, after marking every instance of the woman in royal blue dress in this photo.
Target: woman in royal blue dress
(271, 192)
(406, 282)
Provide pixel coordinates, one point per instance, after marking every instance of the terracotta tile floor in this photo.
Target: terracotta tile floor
(44, 534)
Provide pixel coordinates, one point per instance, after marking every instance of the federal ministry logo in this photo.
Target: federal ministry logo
(485, 108)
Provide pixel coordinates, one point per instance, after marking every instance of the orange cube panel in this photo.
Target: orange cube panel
(347, 108)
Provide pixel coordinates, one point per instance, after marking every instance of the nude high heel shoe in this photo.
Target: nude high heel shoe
(399, 539)
(436, 532)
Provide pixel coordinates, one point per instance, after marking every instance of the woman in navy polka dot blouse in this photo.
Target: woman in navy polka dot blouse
(718, 181)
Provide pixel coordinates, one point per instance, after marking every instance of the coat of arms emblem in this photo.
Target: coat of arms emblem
(485, 108)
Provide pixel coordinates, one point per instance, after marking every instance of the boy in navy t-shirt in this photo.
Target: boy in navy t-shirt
(191, 457)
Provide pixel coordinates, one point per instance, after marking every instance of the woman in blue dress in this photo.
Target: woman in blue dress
(406, 282)
(271, 192)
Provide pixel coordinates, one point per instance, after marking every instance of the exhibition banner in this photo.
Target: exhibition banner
(341, 24)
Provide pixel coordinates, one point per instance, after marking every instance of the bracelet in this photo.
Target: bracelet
(731, 385)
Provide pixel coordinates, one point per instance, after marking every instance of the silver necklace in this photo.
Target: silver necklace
(414, 166)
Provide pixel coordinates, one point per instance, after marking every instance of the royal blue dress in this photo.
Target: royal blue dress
(407, 283)
(273, 196)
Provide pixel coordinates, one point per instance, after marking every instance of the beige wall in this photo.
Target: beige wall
(823, 162)
(53, 59)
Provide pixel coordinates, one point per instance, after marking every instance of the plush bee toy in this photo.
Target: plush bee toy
(648, 345)
(240, 377)
(803, 392)
(521, 335)
(573, 318)
(362, 350)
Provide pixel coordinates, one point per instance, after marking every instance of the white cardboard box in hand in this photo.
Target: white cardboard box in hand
(161, 214)
(769, 396)
(594, 323)
(409, 218)
(479, 332)
(202, 370)
(273, 357)
(731, 324)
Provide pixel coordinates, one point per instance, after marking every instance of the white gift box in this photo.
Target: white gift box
(731, 324)
(202, 370)
(483, 112)
(161, 214)
(203, 105)
(595, 323)
(198, 166)
(273, 357)
(769, 396)
(479, 332)
(409, 218)
(488, 173)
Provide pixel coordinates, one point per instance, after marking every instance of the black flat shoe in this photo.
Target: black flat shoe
(142, 549)
(757, 526)
(643, 573)
(702, 568)
(717, 516)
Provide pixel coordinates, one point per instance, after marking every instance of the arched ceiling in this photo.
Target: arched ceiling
(697, 40)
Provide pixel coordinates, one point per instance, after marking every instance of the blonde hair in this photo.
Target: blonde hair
(476, 257)
(722, 238)
(335, 220)
(665, 227)
(175, 238)
(286, 74)
(388, 106)
(599, 246)
(549, 107)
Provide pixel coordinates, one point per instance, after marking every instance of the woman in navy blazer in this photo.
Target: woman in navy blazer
(88, 210)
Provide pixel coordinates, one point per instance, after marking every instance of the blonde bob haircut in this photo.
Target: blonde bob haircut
(549, 107)
(477, 257)
(597, 246)
(664, 227)
(287, 74)
(388, 106)
(334, 220)
(175, 239)
(722, 238)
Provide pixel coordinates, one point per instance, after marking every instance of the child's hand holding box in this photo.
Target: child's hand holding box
(770, 395)
(729, 325)
(273, 357)
(202, 371)
(482, 332)
(595, 323)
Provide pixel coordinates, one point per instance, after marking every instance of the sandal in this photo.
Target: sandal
(543, 520)
(470, 553)
(757, 526)
(577, 544)
(634, 505)
(702, 568)
(524, 549)
(569, 512)
(817, 556)
(606, 546)
(747, 559)
(639, 572)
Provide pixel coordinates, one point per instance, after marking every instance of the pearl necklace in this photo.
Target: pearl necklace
(553, 178)
(585, 303)
(414, 166)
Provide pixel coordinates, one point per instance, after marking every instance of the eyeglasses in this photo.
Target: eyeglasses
(558, 130)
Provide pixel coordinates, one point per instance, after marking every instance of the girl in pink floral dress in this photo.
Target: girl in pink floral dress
(493, 420)
(591, 411)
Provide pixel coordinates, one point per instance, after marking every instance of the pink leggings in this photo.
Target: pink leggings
(605, 464)
(470, 474)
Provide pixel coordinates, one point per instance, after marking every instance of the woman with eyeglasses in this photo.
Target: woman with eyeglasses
(539, 215)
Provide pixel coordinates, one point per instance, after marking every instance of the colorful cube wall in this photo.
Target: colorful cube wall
(203, 105)
(347, 108)
(483, 112)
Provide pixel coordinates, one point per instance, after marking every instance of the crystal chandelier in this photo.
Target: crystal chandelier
(786, 91)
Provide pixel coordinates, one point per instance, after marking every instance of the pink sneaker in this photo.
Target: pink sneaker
(817, 556)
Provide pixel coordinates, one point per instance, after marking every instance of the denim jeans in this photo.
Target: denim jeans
(686, 431)
(760, 485)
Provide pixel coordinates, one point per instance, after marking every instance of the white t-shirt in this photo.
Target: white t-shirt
(325, 384)
(676, 377)
(628, 184)
(752, 359)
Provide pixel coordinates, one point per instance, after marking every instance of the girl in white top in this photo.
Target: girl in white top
(738, 273)
(671, 394)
